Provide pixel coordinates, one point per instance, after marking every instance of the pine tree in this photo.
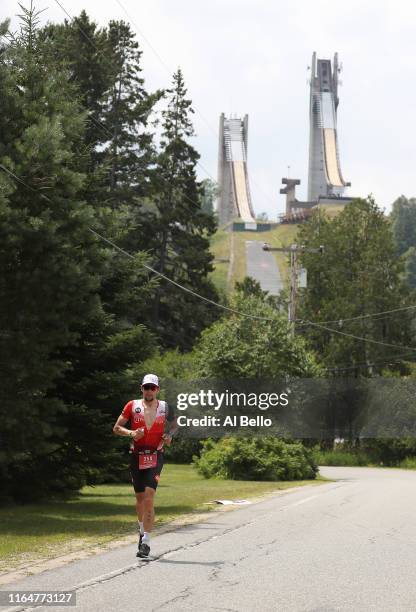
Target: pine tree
(127, 110)
(178, 231)
(105, 65)
(107, 74)
(82, 48)
(69, 306)
(48, 258)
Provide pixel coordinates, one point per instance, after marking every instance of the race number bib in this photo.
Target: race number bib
(148, 460)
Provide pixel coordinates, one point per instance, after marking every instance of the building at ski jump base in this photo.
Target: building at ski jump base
(326, 185)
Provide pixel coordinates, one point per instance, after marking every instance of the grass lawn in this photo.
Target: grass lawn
(103, 513)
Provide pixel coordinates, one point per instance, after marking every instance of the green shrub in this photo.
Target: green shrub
(255, 459)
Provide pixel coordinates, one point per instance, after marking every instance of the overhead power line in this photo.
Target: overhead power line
(22, 182)
(170, 280)
(233, 310)
(337, 331)
(127, 254)
(363, 364)
(169, 71)
(166, 67)
(365, 316)
(197, 295)
(79, 27)
(100, 51)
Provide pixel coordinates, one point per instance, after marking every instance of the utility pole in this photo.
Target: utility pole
(293, 250)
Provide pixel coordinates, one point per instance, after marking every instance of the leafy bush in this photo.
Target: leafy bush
(255, 459)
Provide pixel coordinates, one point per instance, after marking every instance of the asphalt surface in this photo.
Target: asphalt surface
(344, 545)
(262, 266)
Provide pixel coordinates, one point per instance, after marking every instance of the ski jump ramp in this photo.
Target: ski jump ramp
(234, 200)
(325, 177)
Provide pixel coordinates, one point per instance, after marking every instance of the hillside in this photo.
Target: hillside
(230, 253)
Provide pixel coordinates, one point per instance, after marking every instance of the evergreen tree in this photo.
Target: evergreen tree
(127, 110)
(113, 342)
(48, 259)
(178, 231)
(83, 49)
(107, 74)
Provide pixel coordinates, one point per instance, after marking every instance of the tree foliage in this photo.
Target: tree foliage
(403, 217)
(48, 257)
(77, 319)
(263, 347)
(178, 230)
(359, 273)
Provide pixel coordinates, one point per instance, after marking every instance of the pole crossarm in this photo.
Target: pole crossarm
(293, 249)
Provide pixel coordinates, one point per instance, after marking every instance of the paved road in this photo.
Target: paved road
(262, 266)
(345, 545)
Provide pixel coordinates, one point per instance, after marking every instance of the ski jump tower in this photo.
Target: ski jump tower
(234, 200)
(324, 177)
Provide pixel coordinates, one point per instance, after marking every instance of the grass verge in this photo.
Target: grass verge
(103, 513)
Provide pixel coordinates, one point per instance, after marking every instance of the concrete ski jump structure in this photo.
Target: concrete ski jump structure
(325, 177)
(234, 200)
(326, 185)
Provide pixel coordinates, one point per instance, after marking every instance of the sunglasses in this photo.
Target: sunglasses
(149, 387)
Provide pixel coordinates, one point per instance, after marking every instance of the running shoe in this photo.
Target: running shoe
(144, 550)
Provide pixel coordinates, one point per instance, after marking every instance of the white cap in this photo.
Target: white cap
(150, 379)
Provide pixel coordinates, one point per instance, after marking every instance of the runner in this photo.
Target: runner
(148, 419)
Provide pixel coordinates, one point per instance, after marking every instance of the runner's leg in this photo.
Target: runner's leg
(150, 481)
(138, 484)
(149, 509)
(140, 512)
(140, 506)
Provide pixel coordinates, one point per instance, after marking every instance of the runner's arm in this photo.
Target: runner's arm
(119, 428)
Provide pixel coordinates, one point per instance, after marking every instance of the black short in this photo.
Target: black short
(145, 478)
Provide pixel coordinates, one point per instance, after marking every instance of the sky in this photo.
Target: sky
(252, 56)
